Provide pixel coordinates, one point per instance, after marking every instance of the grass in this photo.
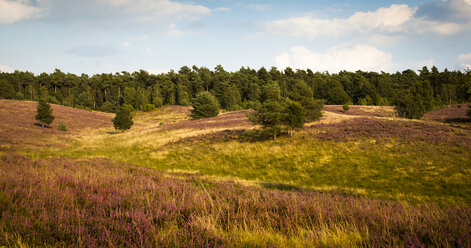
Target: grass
(415, 172)
(169, 182)
(96, 202)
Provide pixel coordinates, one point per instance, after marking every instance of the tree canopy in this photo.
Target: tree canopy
(205, 105)
(44, 112)
(123, 119)
(245, 88)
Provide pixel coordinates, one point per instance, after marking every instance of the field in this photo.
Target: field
(360, 178)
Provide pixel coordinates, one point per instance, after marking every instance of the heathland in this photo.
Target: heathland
(362, 177)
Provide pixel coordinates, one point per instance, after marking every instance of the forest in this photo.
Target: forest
(412, 93)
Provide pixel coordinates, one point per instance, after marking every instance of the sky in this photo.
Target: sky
(108, 36)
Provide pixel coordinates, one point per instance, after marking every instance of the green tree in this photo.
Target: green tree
(271, 115)
(123, 119)
(44, 112)
(294, 116)
(205, 105)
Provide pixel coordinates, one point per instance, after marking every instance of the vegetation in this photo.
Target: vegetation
(44, 113)
(342, 182)
(345, 107)
(468, 112)
(100, 203)
(243, 89)
(123, 119)
(205, 105)
(62, 127)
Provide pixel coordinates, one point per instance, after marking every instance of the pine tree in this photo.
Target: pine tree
(294, 117)
(44, 115)
(205, 105)
(123, 119)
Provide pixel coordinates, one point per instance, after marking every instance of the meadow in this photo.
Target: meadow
(362, 178)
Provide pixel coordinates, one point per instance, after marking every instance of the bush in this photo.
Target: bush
(123, 119)
(346, 107)
(62, 127)
(148, 107)
(205, 105)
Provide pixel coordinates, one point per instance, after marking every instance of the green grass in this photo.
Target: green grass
(414, 172)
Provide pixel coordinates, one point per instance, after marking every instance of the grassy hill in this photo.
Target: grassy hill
(356, 178)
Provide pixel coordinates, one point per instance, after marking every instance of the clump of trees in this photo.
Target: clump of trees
(44, 113)
(205, 105)
(123, 119)
(277, 113)
(413, 93)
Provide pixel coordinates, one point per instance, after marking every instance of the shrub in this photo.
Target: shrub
(62, 127)
(148, 107)
(204, 105)
(346, 107)
(123, 119)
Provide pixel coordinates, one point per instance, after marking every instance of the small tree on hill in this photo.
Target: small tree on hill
(271, 114)
(44, 112)
(205, 105)
(123, 119)
(346, 107)
(295, 116)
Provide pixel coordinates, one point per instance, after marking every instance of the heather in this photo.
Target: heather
(87, 203)
(358, 179)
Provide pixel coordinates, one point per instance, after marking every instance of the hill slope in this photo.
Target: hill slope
(361, 178)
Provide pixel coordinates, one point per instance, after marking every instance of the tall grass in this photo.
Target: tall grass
(414, 171)
(87, 203)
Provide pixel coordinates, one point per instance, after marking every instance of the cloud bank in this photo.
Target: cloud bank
(335, 59)
(14, 11)
(393, 20)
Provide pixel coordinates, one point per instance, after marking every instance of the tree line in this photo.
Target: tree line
(411, 92)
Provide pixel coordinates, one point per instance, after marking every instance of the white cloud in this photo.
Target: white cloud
(173, 31)
(335, 59)
(465, 60)
(14, 11)
(259, 7)
(391, 21)
(224, 9)
(6, 68)
(126, 44)
(149, 10)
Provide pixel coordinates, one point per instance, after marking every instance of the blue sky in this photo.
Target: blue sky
(96, 36)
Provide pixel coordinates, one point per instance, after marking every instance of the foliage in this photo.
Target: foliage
(123, 119)
(44, 113)
(410, 106)
(244, 88)
(62, 127)
(295, 116)
(149, 107)
(346, 107)
(205, 105)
